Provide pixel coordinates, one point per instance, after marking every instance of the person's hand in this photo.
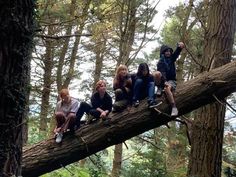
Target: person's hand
(103, 114)
(56, 130)
(181, 45)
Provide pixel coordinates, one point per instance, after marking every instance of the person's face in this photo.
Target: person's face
(145, 72)
(123, 72)
(65, 98)
(102, 88)
(167, 53)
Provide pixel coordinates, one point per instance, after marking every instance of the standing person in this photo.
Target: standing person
(122, 85)
(65, 114)
(143, 86)
(101, 104)
(165, 76)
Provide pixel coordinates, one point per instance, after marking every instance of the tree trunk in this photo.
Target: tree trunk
(47, 82)
(15, 49)
(116, 167)
(127, 30)
(122, 126)
(208, 126)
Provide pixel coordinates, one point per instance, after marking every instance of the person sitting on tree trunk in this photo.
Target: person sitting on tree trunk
(101, 104)
(165, 76)
(143, 86)
(122, 85)
(65, 114)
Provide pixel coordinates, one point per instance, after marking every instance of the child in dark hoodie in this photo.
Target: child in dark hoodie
(165, 76)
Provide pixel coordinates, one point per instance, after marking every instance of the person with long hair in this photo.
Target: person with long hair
(143, 86)
(101, 104)
(122, 86)
(65, 114)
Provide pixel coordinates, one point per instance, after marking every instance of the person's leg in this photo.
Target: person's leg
(119, 95)
(60, 120)
(69, 122)
(136, 93)
(84, 107)
(158, 82)
(151, 95)
(121, 100)
(169, 89)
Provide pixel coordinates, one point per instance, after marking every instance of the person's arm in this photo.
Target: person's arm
(74, 106)
(175, 55)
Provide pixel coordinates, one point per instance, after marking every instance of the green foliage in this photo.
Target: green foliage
(70, 170)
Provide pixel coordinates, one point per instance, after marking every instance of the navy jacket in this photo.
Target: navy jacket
(167, 65)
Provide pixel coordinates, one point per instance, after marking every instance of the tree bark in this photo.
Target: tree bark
(122, 126)
(116, 167)
(208, 126)
(16, 34)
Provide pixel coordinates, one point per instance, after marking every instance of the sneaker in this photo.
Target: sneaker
(136, 104)
(154, 104)
(174, 112)
(59, 137)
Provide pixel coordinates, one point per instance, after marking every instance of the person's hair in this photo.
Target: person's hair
(64, 92)
(121, 67)
(99, 84)
(142, 67)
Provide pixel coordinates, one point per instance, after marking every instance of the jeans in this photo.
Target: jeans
(142, 90)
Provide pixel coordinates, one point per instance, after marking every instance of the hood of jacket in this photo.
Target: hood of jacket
(164, 48)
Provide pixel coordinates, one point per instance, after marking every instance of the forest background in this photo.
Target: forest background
(79, 42)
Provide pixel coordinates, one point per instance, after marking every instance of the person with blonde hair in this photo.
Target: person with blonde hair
(65, 114)
(101, 104)
(122, 86)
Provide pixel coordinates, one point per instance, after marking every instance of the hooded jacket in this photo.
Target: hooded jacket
(167, 65)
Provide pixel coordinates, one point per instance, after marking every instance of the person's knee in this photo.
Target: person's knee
(157, 77)
(139, 81)
(118, 92)
(71, 116)
(59, 115)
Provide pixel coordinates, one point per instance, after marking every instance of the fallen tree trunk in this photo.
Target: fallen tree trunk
(47, 156)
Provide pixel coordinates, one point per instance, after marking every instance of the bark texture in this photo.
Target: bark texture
(122, 126)
(16, 34)
(208, 126)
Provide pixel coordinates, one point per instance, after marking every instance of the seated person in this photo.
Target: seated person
(165, 76)
(65, 114)
(101, 104)
(122, 85)
(143, 86)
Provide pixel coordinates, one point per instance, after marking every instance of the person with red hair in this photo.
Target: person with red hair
(101, 104)
(65, 114)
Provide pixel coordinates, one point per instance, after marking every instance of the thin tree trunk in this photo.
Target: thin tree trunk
(48, 65)
(208, 126)
(116, 167)
(15, 51)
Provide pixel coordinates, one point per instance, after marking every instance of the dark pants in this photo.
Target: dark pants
(65, 122)
(88, 109)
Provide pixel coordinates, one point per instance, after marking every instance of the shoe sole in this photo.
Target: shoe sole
(158, 104)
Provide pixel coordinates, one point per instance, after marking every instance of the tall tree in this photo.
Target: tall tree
(15, 51)
(208, 126)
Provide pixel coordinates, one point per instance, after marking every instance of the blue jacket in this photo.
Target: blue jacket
(167, 65)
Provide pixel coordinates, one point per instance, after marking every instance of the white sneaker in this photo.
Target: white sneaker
(59, 137)
(174, 112)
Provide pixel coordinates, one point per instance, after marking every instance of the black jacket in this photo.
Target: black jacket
(167, 65)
